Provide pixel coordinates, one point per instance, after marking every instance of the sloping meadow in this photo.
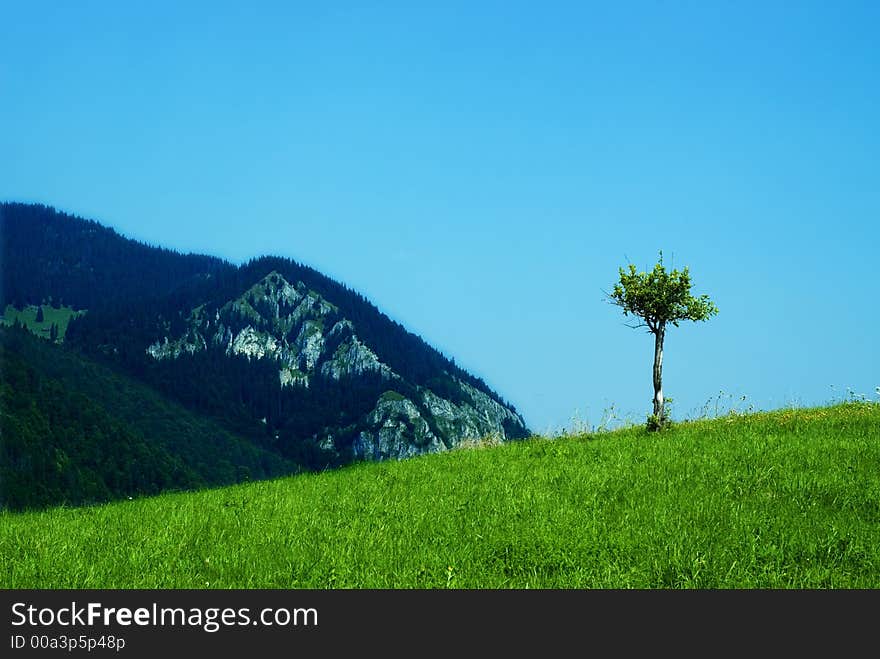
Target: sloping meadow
(788, 499)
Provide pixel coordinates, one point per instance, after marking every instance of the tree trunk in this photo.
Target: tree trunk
(658, 371)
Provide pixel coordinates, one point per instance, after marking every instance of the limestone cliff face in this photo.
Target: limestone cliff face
(399, 429)
(396, 429)
(288, 324)
(306, 338)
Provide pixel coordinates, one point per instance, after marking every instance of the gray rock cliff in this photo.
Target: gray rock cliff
(300, 332)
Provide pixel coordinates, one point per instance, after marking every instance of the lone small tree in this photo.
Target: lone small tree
(659, 298)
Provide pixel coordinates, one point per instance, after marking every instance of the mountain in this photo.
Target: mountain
(277, 355)
(52, 255)
(308, 344)
(76, 432)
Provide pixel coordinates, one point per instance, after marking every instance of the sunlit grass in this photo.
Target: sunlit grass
(58, 316)
(787, 499)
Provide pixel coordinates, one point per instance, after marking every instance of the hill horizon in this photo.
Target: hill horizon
(294, 364)
(782, 500)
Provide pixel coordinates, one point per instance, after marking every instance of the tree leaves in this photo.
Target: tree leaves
(659, 297)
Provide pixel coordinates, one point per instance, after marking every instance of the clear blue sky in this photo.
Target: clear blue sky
(479, 170)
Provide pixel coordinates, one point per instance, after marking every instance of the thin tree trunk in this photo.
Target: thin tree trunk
(658, 371)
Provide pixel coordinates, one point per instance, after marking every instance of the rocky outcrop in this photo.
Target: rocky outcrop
(398, 428)
(395, 429)
(351, 358)
(304, 335)
(274, 320)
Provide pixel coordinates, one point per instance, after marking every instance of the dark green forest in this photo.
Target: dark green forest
(97, 417)
(56, 258)
(131, 289)
(76, 432)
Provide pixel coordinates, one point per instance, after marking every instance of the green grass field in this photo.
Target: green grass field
(788, 499)
(60, 316)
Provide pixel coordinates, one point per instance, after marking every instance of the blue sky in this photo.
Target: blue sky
(481, 170)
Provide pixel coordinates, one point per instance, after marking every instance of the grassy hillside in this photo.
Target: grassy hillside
(789, 499)
(58, 316)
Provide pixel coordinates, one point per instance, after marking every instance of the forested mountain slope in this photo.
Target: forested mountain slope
(277, 355)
